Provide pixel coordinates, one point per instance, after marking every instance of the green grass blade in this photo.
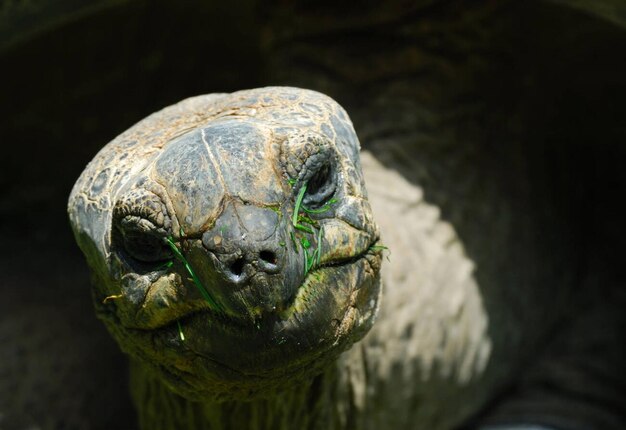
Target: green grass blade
(319, 245)
(296, 209)
(378, 247)
(306, 219)
(180, 331)
(304, 228)
(293, 239)
(165, 265)
(321, 210)
(306, 261)
(205, 294)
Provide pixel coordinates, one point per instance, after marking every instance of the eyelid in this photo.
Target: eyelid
(136, 220)
(133, 231)
(298, 151)
(311, 167)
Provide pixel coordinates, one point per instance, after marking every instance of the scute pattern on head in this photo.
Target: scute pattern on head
(294, 109)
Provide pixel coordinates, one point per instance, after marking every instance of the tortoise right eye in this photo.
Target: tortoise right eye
(321, 186)
(141, 240)
(139, 227)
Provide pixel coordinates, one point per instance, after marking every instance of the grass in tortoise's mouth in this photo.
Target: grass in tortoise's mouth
(311, 275)
(203, 291)
(298, 221)
(175, 330)
(312, 264)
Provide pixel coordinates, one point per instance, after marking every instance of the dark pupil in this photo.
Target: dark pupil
(144, 246)
(320, 186)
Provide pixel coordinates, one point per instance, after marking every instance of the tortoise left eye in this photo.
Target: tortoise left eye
(140, 240)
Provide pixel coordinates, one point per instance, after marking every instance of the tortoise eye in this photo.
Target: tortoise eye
(140, 226)
(141, 240)
(320, 186)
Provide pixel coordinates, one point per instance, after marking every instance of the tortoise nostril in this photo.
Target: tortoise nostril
(237, 267)
(268, 257)
(244, 266)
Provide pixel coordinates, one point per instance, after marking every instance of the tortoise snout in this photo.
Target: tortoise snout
(250, 269)
(239, 267)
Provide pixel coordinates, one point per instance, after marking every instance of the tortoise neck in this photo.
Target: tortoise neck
(313, 404)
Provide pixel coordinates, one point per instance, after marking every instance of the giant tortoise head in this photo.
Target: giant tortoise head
(231, 242)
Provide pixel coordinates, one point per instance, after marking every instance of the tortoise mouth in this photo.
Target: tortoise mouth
(313, 279)
(206, 355)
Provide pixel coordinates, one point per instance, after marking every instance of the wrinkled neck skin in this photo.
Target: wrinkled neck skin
(321, 403)
(461, 308)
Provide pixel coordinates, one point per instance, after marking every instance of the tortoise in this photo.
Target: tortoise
(235, 256)
(232, 245)
(436, 100)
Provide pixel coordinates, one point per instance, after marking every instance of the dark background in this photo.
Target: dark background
(74, 78)
(66, 89)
